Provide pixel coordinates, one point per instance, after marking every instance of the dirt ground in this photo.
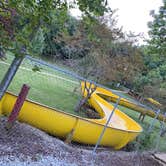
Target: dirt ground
(26, 145)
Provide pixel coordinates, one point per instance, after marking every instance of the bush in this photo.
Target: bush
(37, 44)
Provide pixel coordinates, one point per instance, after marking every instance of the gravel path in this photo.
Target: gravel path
(24, 145)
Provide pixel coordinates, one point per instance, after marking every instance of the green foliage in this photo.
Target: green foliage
(93, 7)
(154, 77)
(162, 69)
(140, 80)
(24, 19)
(55, 39)
(146, 141)
(158, 32)
(20, 20)
(151, 80)
(37, 44)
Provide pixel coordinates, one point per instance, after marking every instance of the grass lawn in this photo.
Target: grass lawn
(48, 87)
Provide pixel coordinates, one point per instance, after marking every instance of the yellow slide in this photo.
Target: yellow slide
(121, 129)
(110, 96)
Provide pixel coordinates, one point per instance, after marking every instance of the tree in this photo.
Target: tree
(157, 53)
(157, 43)
(20, 20)
(152, 80)
(38, 43)
(105, 50)
(55, 43)
(113, 56)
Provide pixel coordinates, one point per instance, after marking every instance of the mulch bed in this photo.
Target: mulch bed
(26, 145)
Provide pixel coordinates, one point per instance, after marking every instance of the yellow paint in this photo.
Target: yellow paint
(154, 102)
(1, 101)
(121, 130)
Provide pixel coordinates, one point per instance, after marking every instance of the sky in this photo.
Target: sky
(133, 15)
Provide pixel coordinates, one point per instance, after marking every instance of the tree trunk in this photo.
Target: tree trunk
(9, 75)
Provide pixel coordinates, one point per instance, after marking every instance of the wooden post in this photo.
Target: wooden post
(17, 106)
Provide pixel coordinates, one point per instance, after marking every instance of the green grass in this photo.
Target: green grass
(147, 141)
(48, 87)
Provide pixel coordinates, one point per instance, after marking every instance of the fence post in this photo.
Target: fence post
(161, 132)
(105, 126)
(17, 106)
(153, 121)
(9, 75)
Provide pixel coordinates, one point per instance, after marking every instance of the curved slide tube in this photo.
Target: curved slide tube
(110, 96)
(121, 129)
